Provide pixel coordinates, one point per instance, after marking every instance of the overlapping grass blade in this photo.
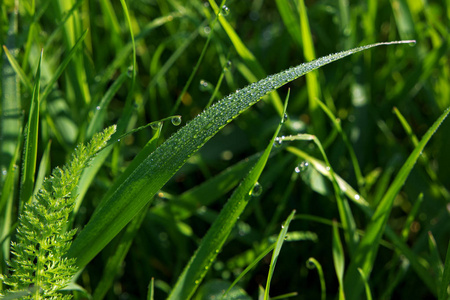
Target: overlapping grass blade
(338, 259)
(246, 55)
(216, 236)
(312, 81)
(368, 247)
(276, 252)
(359, 200)
(31, 143)
(149, 177)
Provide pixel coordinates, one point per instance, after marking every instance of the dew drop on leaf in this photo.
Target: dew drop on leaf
(203, 86)
(301, 167)
(285, 117)
(176, 120)
(257, 190)
(156, 125)
(277, 143)
(225, 10)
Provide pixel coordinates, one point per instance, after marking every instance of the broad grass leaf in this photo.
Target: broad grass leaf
(151, 175)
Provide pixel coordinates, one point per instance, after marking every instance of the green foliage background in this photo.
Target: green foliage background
(97, 88)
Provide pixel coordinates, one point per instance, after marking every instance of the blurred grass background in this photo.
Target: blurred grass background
(361, 91)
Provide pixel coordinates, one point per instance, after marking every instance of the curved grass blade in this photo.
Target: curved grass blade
(313, 263)
(31, 143)
(216, 236)
(151, 175)
(364, 206)
(276, 252)
(367, 249)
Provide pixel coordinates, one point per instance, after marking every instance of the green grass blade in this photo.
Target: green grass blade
(151, 288)
(63, 65)
(97, 120)
(249, 267)
(366, 284)
(368, 247)
(19, 71)
(351, 193)
(151, 175)
(338, 259)
(276, 252)
(31, 143)
(246, 54)
(216, 236)
(312, 81)
(443, 289)
(313, 263)
(10, 119)
(337, 125)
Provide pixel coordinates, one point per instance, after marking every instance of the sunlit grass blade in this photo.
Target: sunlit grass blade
(31, 143)
(312, 263)
(345, 212)
(19, 71)
(368, 247)
(216, 236)
(416, 262)
(276, 252)
(338, 259)
(151, 289)
(424, 157)
(312, 81)
(149, 177)
(337, 125)
(62, 66)
(366, 284)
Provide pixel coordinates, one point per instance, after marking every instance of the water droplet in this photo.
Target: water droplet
(412, 43)
(176, 120)
(301, 167)
(225, 10)
(357, 197)
(282, 225)
(206, 267)
(285, 117)
(227, 66)
(328, 169)
(118, 140)
(206, 30)
(156, 125)
(130, 71)
(204, 86)
(4, 172)
(98, 107)
(277, 143)
(197, 282)
(257, 190)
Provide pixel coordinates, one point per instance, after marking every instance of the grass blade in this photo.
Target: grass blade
(338, 259)
(313, 263)
(31, 143)
(216, 236)
(368, 247)
(149, 177)
(276, 252)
